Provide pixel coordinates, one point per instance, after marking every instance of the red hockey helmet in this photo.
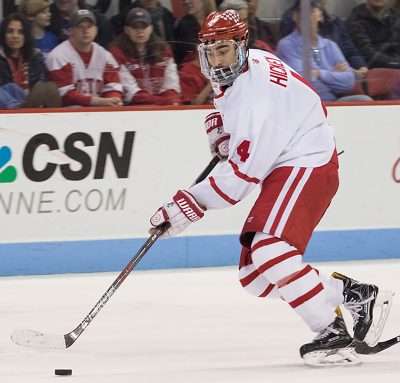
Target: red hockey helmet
(223, 27)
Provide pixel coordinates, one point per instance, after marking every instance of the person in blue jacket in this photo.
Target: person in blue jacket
(333, 28)
(331, 75)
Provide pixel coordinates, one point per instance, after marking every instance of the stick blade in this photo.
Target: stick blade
(36, 339)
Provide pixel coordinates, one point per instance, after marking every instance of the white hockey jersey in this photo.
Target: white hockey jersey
(70, 73)
(274, 119)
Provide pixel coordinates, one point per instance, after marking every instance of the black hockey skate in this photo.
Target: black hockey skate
(359, 299)
(331, 347)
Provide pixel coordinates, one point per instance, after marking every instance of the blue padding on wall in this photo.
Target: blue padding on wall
(203, 251)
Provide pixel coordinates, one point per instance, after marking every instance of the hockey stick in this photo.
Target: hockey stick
(364, 349)
(30, 338)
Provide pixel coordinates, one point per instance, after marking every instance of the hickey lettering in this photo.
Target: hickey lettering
(278, 73)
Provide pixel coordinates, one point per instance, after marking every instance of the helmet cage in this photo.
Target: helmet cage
(225, 75)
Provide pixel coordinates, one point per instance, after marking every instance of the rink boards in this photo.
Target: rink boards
(77, 190)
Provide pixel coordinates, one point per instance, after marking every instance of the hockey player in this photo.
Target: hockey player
(271, 130)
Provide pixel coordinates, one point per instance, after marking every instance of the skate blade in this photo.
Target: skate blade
(332, 358)
(382, 307)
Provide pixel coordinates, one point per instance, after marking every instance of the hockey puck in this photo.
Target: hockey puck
(63, 372)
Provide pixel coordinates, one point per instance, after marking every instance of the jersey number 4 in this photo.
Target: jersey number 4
(243, 150)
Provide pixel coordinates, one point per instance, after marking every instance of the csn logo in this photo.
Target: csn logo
(106, 148)
(396, 171)
(7, 173)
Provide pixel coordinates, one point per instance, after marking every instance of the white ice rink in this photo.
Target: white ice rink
(194, 325)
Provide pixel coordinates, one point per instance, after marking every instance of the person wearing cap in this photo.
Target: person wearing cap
(163, 19)
(330, 75)
(148, 70)
(61, 11)
(86, 74)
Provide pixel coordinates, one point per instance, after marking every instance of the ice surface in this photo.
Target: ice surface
(194, 325)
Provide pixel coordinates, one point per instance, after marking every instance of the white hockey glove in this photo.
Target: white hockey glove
(180, 213)
(217, 138)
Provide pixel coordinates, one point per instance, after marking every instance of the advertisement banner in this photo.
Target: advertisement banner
(80, 176)
(77, 190)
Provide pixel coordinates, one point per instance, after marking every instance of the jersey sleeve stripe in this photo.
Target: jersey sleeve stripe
(242, 175)
(113, 86)
(65, 89)
(221, 193)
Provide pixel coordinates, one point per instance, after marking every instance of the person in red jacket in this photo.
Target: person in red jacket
(148, 70)
(196, 89)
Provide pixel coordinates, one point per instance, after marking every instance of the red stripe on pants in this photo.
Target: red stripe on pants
(287, 199)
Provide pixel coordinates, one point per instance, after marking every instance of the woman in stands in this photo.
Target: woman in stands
(22, 70)
(148, 70)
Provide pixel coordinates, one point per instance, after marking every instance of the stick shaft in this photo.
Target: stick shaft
(73, 335)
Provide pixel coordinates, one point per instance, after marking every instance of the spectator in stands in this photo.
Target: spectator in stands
(86, 74)
(196, 89)
(162, 19)
(23, 79)
(148, 70)
(396, 6)
(375, 29)
(9, 6)
(186, 32)
(242, 8)
(61, 11)
(38, 12)
(331, 75)
(333, 28)
(101, 5)
(376, 82)
(260, 29)
(287, 25)
(122, 4)
(125, 3)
